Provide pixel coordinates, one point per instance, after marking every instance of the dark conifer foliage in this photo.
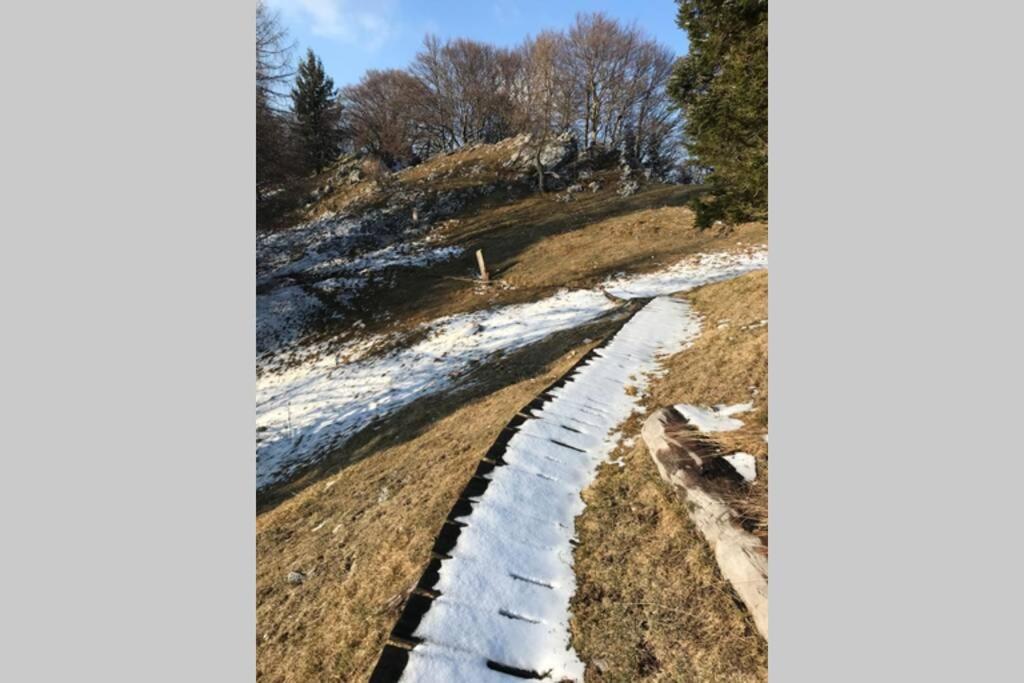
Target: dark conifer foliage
(314, 102)
(721, 87)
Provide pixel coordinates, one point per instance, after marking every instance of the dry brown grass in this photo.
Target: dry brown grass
(535, 245)
(362, 534)
(651, 604)
(382, 498)
(729, 364)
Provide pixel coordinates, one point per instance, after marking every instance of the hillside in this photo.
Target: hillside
(386, 370)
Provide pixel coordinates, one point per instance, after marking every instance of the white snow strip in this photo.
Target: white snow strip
(402, 255)
(306, 409)
(505, 590)
(717, 419)
(688, 274)
(343, 284)
(309, 408)
(744, 464)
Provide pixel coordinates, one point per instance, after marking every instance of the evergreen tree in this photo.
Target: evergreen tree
(316, 112)
(722, 88)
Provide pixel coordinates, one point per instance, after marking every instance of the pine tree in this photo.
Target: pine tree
(722, 88)
(316, 112)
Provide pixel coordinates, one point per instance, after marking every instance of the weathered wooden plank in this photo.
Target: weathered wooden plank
(682, 456)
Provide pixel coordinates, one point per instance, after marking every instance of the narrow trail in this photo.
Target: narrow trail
(493, 604)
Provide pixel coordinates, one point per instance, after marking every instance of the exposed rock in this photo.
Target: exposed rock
(296, 578)
(628, 188)
(556, 153)
(559, 151)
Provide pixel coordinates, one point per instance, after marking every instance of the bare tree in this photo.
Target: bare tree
(273, 56)
(619, 76)
(602, 79)
(274, 154)
(468, 85)
(382, 113)
(538, 95)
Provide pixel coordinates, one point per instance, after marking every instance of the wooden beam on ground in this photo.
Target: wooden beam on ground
(742, 557)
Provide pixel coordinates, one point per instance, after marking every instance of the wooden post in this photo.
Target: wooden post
(415, 215)
(483, 266)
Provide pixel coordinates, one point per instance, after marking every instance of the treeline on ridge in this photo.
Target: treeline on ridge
(610, 84)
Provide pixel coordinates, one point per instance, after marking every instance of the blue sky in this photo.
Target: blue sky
(351, 36)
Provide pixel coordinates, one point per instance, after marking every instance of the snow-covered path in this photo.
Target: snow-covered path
(501, 595)
(304, 411)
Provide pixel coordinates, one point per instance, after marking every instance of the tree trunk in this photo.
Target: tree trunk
(540, 172)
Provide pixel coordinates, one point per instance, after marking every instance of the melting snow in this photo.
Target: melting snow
(280, 315)
(744, 463)
(309, 408)
(717, 419)
(306, 409)
(405, 255)
(688, 274)
(505, 590)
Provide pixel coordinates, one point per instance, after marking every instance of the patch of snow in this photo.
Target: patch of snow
(305, 409)
(744, 464)
(506, 588)
(688, 274)
(281, 314)
(295, 249)
(717, 419)
(309, 408)
(402, 255)
(345, 284)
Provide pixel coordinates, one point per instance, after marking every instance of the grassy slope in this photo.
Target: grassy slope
(379, 519)
(393, 488)
(650, 603)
